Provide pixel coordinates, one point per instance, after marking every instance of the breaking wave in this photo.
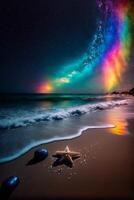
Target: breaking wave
(21, 118)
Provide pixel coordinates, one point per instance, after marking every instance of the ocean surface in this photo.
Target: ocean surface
(29, 120)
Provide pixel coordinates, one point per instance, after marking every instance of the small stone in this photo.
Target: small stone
(40, 154)
(11, 182)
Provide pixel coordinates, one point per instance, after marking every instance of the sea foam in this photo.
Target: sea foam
(21, 118)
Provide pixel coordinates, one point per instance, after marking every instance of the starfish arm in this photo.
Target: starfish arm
(69, 159)
(67, 156)
(67, 149)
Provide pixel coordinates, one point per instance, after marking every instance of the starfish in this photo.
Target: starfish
(66, 156)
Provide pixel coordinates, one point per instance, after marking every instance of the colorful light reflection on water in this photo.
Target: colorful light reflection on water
(119, 119)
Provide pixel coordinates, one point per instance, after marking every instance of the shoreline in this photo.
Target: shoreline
(51, 141)
(95, 168)
(27, 145)
(104, 170)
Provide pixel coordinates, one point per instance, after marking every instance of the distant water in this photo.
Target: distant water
(29, 120)
(24, 110)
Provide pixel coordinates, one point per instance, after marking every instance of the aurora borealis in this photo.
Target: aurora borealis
(70, 46)
(109, 50)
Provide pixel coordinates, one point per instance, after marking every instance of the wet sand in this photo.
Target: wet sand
(104, 171)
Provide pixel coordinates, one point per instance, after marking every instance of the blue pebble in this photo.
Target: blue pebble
(41, 153)
(11, 182)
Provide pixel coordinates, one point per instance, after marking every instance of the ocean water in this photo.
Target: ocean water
(29, 120)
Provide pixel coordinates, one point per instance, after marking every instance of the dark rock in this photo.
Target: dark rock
(11, 182)
(124, 92)
(131, 92)
(8, 186)
(41, 154)
(115, 92)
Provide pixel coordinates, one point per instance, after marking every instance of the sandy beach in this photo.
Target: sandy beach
(104, 170)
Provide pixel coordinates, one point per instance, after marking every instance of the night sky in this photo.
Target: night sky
(39, 37)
